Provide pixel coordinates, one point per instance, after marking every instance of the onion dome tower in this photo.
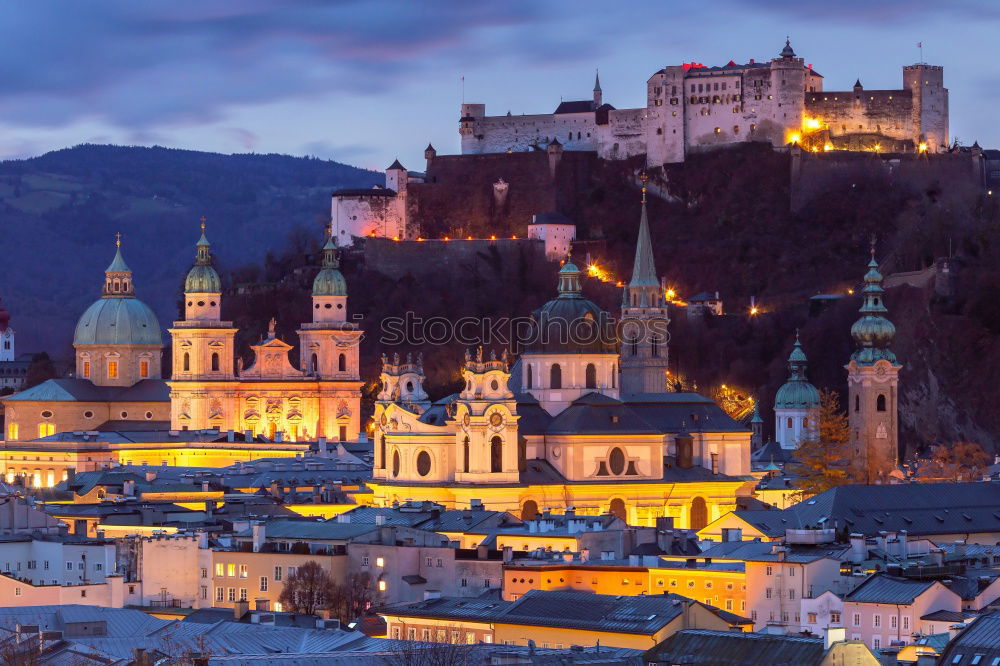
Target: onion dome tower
(873, 379)
(117, 339)
(570, 348)
(795, 403)
(644, 321)
(202, 287)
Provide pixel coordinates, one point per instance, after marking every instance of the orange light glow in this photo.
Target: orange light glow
(493, 237)
(754, 310)
(469, 238)
(812, 124)
(794, 137)
(446, 238)
(420, 238)
(922, 147)
(395, 238)
(827, 147)
(595, 271)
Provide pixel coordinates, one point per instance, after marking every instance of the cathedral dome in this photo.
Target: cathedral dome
(570, 323)
(202, 278)
(118, 317)
(118, 321)
(330, 281)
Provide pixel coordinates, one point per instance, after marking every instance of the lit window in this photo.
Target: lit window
(381, 586)
(263, 583)
(12, 431)
(46, 429)
(86, 368)
(112, 369)
(379, 562)
(231, 570)
(220, 569)
(243, 571)
(144, 369)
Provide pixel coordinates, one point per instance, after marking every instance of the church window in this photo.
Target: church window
(187, 362)
(880, 402)
(616, 461)
(144, 369)
(789, 424)
(395, 463)
(530, 382)
(617, 508)
(614, 372)
(423, 463)
(591, 376)
(699, 513)
(342, 364)
(215, 362)
(633, 343)
(381, 451)
(86, 368)
(496, 455)
(555, 376)
(857, 403)
(655, 346)
(313, 363)
(112, 369)
(409, 387)
(465, 455)
(529, 510)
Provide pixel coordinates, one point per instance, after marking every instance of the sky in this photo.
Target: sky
(366, 82)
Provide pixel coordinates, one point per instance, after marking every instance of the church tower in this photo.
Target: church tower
(488, 449)
(329, 351)
(597, 90)
(203, 349)
(6, 336)
(873, 380)
(644, 321)
(795, 403)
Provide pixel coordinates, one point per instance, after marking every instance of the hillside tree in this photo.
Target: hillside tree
(824, 455)
(307, 590)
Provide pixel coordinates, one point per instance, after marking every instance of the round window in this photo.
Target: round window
(88, 414)
(494, 385)
(201, 303)
(124, 415)
(395, 463)
(317, 306)
(496, 419)
(189, 303)
(149, 416)
(327, 306)
(212, 303)
(616, 461)
(46, 414)
(423, 463)
(340, 306)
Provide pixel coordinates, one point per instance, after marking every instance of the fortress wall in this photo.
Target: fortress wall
(501, 258)
(886, 112)
(517, 133)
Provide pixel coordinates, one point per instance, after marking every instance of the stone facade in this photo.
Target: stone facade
(691, 107)
(379, 211)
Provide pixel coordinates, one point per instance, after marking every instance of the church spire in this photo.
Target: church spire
(643, 289)
(873, 332)
(597, 89)
(118, 276)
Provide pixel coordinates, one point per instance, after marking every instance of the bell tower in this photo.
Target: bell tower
(873, 381)
(488, 449)
(644, 321)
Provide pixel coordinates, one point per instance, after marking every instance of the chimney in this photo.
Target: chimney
(715, 463)
(240, 608)
(379, 519)
(259, 532)
(859, 550)
(508, 553)
(833, 635)
(248, 435)
(937, 557)
(959, 549)
(904, 543)
(230, 436)
(204, 486)
(128, 488)
(202, 539)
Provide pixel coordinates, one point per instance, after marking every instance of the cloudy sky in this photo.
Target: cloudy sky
(364, 82)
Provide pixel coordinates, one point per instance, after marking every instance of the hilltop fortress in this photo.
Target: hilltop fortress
(691, 107)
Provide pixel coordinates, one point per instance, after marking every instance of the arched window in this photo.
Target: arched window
(633, 343)
(529, 510)
(857, 403)
(789, 422)
(614, 373)
(880, 402)
(409, 387)
(655, 346)
(465, 455)
(215, 362)
(395, 463)
(423, 463)
(381, 451)
(342, 363)
(522, 455)
(555, 376)
(187, 362)
(591, 376)
(496, 455)
(617, 508)
(529, 377)
(314, 366)
(699, 513)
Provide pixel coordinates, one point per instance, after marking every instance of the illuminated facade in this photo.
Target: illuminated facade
(691, 108)
(554, 431)
(320, 398)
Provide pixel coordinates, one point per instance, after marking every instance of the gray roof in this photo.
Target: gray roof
(919, 508)
(760, 551)
(431, 518)
(883, 589)
(673, 412)
(982, 637)
(597, 414)
(581, 106)
(571, 610)
(291, 528)
(727, 648)
(74, 389)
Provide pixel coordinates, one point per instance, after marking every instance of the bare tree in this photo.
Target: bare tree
(307, 590)
(354, 598)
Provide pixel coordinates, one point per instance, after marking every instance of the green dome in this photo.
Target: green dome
(873, 332)
(329, 282)
(570, 323)
(797, 392)
(202, 279)
(118, 321)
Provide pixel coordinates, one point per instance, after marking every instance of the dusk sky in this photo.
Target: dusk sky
(366, 82)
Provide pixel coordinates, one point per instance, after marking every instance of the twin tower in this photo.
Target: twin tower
(270, 397)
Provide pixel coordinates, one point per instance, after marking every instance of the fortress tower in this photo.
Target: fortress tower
(930, 105)
(644, 336)
(873, 380)
(788, 83)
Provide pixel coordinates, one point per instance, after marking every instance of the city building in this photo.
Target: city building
(726, 648)
(376, 211)
(691, 108)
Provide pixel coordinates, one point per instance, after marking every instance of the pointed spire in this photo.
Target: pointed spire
(597, 81)
(396, 166)
(857, 84)
(203, 255)
(644, 270)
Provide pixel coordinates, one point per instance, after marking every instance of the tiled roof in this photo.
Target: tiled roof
(727, 648)
(883, 589)
(310, 529)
